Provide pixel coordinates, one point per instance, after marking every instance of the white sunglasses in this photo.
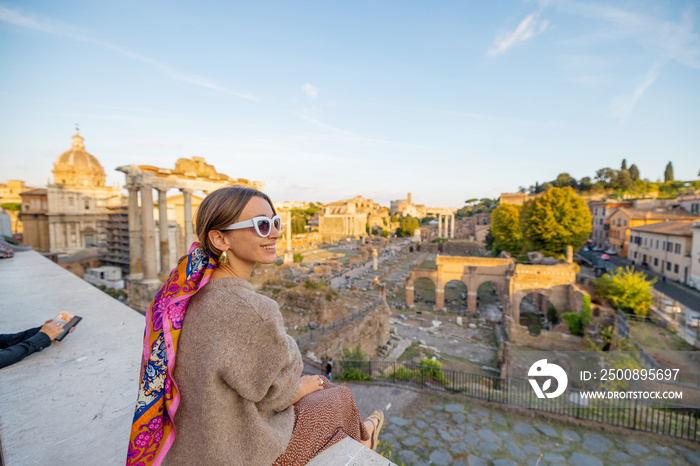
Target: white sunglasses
(261, 225)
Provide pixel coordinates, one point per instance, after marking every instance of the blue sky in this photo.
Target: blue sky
(328, 100)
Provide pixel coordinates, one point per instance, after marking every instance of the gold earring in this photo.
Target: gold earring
(223, 258)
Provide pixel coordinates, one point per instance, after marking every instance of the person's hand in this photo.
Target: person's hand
(52, 329)
(308, 384)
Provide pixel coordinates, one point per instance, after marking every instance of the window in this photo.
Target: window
(668, 266)
(635, 254)
(656, 261)
(89, 241)
(694, 208)
(675, 268)
(645, 242)
(669, 247)
(657, 244)
(678, 248)
(625, 222)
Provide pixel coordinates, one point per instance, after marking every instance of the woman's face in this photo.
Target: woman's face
(245, 244)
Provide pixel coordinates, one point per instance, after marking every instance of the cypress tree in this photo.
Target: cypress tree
(624, 164)
(634, 172)
(668, 173)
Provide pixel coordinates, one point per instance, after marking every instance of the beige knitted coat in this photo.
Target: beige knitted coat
(238, 373)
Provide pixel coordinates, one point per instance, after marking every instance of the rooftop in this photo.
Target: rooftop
(653, 215)
(667, 228)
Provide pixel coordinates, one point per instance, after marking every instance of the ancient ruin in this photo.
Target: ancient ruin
(189, 175)
(556, 284)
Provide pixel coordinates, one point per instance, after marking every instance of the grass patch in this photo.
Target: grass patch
(428, 264)
(411, 353)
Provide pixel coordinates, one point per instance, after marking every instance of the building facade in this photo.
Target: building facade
(664, 248)
(600, 211)
(624, 219)
(70, 215)
(405, 208)
(345, 219)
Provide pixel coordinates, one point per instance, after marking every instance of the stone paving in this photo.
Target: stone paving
(467, 434)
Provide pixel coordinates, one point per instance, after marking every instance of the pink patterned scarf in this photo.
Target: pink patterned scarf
(152, 430)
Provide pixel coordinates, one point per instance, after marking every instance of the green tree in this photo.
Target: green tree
(555, 220)
(489, 241)
(564, 179)
(585, 184)
(12, 206)
(627, 290)
(606, 175)
(668, 173)
(407, 225)
(546, 187)
(298, 224)
(624, 164)
(634, 172)
(578, 321)
(506, 229)
(623, 180)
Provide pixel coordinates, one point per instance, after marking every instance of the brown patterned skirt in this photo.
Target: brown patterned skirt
(322, 419)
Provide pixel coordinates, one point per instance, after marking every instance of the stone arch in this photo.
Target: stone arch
(425, 289)
(490, 300)
(531, 309)
(456, 293)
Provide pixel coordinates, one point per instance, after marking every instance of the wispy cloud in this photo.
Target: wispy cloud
(311, 91)
(349, 136)
(528, 28)
(53, 28)
(623, 105)
(665, 38)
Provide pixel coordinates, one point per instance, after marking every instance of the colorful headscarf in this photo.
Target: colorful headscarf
(152, 430)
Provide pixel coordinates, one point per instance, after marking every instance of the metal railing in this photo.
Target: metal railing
(670, 419)
(623, 329)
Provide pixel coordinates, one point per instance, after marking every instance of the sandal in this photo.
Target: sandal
(378, 427)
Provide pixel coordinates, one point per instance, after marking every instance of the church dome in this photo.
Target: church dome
(77, 168)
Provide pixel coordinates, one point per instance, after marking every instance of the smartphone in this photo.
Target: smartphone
(67, 325)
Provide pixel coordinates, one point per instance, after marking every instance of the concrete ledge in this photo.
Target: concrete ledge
(349, 452)
(73, 402)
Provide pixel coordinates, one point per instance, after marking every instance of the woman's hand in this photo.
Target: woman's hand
(308, 384)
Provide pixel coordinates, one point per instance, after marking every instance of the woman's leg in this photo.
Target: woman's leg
(370, 425)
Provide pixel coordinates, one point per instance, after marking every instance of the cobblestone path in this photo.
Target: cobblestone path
(456, 431)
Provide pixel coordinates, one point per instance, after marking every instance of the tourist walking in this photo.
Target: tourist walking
(220, 379)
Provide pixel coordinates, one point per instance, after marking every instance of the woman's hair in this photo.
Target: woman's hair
(220, 209)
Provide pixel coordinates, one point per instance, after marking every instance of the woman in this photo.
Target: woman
(228, 374)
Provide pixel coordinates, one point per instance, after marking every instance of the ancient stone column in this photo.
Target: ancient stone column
(289, 255)
(189, 232)
(375, 264)
(439, 225)
(150, 268)
(440, 298)
(163, 231)
(471, 301)
(409, 295)
(452, 226)
(135, 249)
